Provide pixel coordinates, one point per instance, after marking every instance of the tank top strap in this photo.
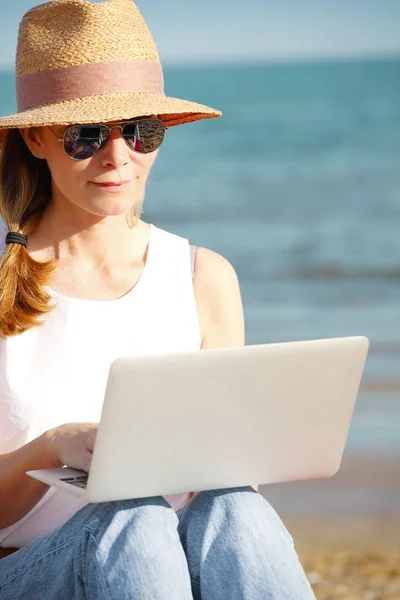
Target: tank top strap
(170, 251)
(192, 258)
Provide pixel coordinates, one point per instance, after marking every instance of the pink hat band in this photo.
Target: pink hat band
(90, 79)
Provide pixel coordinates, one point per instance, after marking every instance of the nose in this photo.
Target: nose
(116, 152)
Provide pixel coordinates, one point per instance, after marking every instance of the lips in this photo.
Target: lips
(111, 186)
(111, 183)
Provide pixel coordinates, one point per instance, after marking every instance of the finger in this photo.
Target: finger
(86, 461)
(90, 440)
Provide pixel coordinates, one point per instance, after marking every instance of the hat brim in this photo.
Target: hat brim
(108, 108)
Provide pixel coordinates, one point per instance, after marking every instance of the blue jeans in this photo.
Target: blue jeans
(226, 545)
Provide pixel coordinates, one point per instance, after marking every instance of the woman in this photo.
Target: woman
(83, 280)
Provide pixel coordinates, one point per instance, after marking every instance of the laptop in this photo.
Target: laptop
(222, 418)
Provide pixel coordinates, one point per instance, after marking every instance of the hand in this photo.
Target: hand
(72, 444)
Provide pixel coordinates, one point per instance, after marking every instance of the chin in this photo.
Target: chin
(111, 207)
(112, 213)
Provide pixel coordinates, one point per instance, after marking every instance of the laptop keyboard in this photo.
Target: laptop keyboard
(80, 481)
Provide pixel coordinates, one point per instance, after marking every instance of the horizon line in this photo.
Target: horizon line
(265, 61)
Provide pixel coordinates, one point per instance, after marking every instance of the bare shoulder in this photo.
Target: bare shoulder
(218, 300)
(212, 269)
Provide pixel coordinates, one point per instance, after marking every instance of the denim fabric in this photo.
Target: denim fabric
(225, 545)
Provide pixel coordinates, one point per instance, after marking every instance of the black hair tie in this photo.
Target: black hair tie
(13, 237)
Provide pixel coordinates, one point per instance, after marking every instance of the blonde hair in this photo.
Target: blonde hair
(25, 190)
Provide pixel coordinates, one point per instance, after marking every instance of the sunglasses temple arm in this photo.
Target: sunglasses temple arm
(59, 139)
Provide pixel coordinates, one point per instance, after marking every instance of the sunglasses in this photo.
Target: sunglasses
(84, 141)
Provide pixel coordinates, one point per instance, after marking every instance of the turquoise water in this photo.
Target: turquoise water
(299, 186)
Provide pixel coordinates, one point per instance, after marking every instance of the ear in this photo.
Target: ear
(34, 141)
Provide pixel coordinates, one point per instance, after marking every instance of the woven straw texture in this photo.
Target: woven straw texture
(66, 33)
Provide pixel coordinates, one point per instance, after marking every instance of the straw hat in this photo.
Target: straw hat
(81, 62)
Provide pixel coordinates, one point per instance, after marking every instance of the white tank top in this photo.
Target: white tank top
(57, 373)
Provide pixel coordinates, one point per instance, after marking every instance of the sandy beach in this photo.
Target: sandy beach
(347, 528)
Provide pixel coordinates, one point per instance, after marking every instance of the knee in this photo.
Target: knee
(123, 523)
(111, 518)
(242, 512)
(236, 543)
(130, 547)
(235, 503)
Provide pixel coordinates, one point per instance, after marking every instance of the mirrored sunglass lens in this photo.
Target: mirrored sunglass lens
(144, 136)
(84, 141)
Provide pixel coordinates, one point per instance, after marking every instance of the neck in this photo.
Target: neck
(65, 235)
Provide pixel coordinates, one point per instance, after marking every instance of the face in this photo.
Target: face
(107, 184)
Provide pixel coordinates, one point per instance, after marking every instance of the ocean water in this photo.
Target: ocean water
(298, 185)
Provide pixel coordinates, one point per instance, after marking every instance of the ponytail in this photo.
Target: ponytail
(25, 190)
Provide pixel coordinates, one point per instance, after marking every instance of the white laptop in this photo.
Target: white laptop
(221, 418)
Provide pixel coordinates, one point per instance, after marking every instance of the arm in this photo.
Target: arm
(219, 302)
(69, 444)
(19, 493)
